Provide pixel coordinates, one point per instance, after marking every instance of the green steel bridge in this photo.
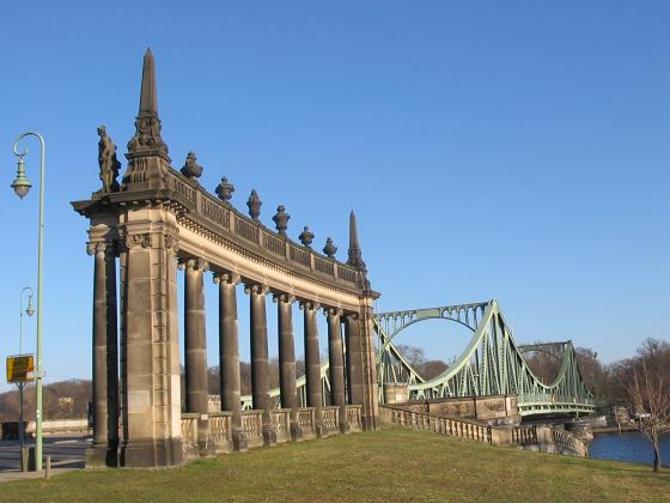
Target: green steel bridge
(492, 363)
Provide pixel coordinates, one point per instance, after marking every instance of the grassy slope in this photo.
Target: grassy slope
(389, 465)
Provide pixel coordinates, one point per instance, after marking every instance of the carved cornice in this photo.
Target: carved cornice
(260, 259)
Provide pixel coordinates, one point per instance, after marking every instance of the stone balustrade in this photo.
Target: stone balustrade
(534, 437)
(524, 435)
(354, 417)
(281, 420)
(331, 420)
(442, 425)
(568, 443)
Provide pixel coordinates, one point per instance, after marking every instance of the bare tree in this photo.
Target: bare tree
(648, 394)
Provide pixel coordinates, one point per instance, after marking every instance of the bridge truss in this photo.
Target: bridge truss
(492, 363)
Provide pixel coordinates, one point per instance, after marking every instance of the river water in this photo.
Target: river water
(633, 447)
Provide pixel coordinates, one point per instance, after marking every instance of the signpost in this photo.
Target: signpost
(20, 370)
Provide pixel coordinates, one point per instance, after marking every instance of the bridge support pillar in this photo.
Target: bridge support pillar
(259, 360)
(313, 364)
(229, 356)
(287, 373)
(336, 366)
(105, 366)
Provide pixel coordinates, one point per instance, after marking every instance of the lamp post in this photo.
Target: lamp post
(21, 186)
(29, 311)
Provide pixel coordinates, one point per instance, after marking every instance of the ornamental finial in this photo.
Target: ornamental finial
(225, 190)
(191, 168)
(306, 237)
(254, 204)
(281, 219)
(330, 249)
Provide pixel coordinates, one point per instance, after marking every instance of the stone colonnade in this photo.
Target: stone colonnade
(158, 219)
(147, 301)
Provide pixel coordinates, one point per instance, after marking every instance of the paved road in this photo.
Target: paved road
(65, 452)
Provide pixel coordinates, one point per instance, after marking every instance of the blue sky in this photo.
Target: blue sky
(508, 150)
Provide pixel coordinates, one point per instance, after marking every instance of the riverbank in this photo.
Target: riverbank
(389, 465)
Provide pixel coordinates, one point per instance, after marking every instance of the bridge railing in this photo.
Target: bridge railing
(441, 425)
(529, 398)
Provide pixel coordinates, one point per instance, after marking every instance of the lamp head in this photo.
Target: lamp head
(21, 184)
(30, 310)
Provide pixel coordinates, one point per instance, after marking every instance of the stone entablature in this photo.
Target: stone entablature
(215, 231)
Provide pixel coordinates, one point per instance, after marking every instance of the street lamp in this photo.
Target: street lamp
(30, 310)
(21, 186)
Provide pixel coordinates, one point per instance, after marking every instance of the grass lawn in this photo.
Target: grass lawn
(388, 465)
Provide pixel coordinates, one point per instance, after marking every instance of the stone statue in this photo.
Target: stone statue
(109, 164)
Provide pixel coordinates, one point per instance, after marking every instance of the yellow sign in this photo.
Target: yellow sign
(20, 368)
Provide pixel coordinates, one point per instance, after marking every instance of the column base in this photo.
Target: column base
(296, 432)
(102, 455)
(369, 423)
(344, 427)
(239, 441)
(147, 453)
(269, 436)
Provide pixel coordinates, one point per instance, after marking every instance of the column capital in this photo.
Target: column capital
(332, 312)
(283, 297)
(101, 247)
(352, 316)
(309, 305)
(193, 264)
(256, 288)
(229, 278)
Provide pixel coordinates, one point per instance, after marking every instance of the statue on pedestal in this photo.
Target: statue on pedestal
(109, 164)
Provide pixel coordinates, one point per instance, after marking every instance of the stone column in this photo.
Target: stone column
(105, 366)
(195, 339)
(354, 359)
(336, 365)
(150, 345)
(312, 362)
(287, 376)
(259, 359)
(229, 356)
